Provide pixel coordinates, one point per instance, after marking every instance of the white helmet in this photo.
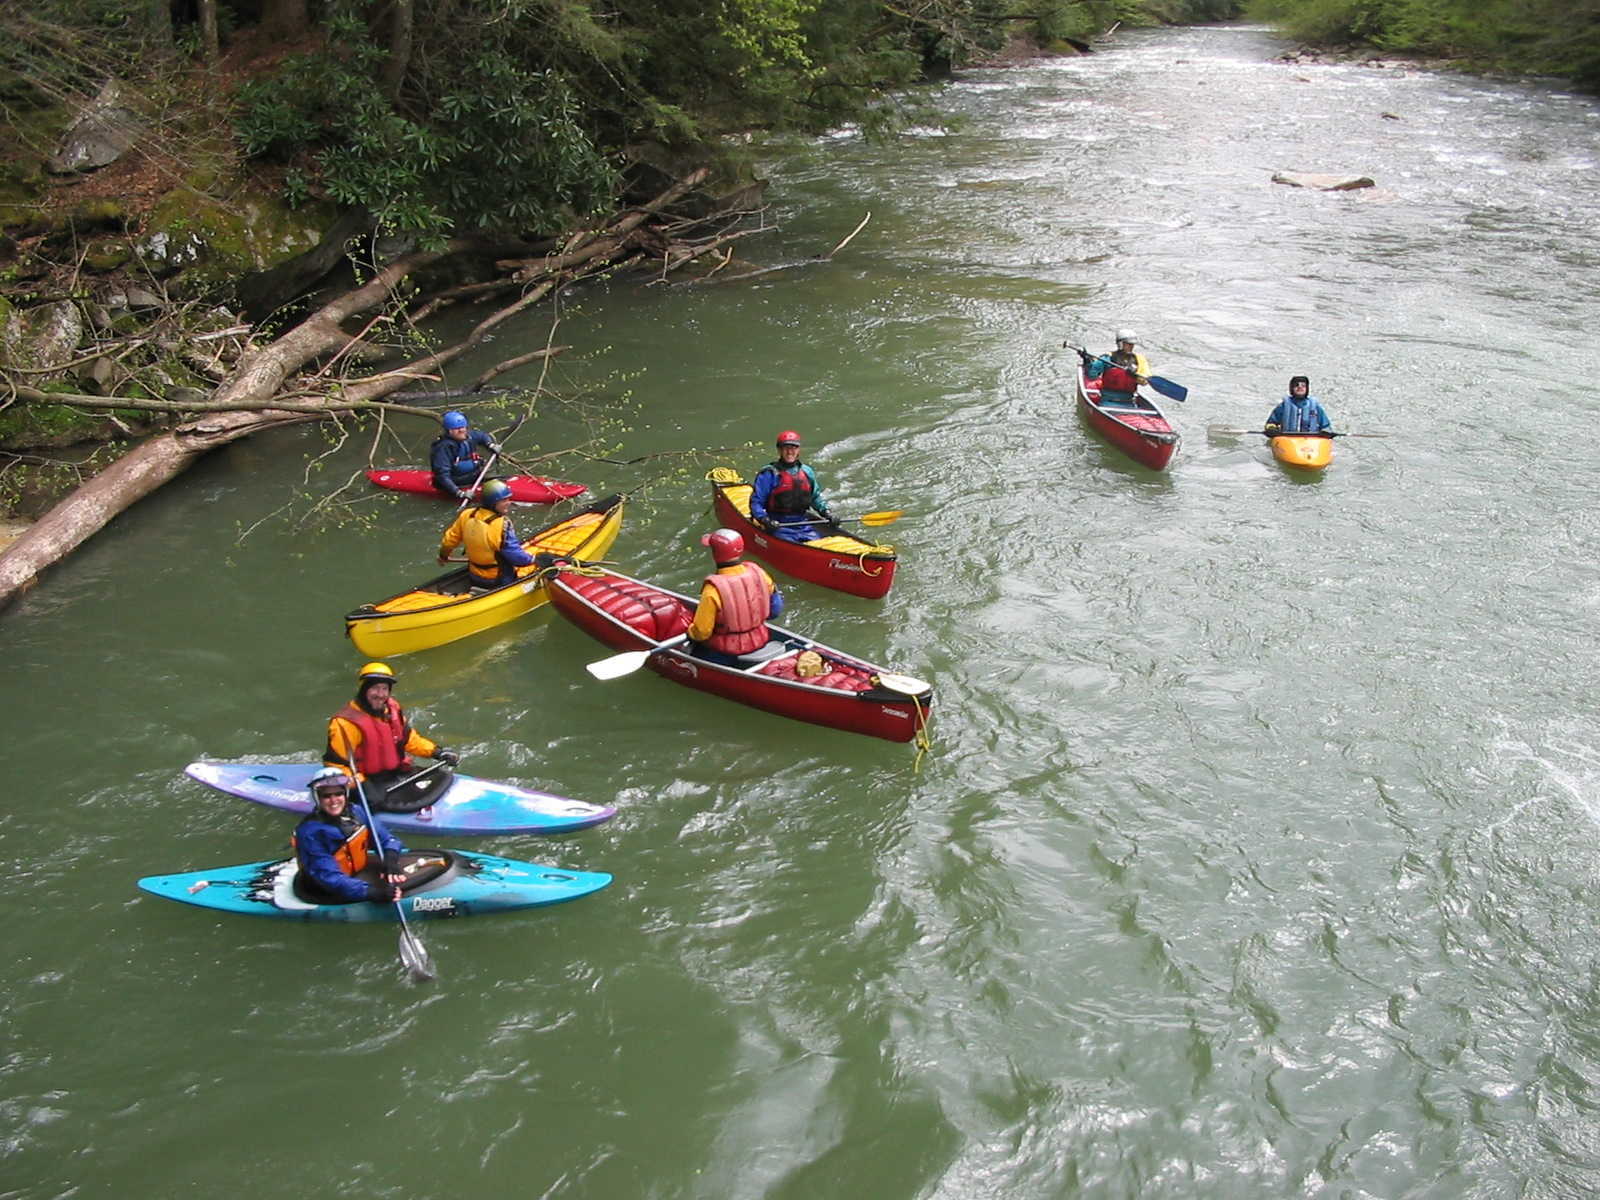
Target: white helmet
(1126, 335)
(328, 777)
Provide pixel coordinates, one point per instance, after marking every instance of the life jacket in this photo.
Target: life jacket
(1299, 416)
(742, 618)
(464, 458)
(482, 534)
(791, 495)
(355, 852)
(382, 739)
(1118, 379)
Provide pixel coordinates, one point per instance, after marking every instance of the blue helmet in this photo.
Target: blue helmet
(455, 420)
(493, 491)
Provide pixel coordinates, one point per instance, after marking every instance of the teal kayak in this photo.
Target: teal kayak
(450, 883)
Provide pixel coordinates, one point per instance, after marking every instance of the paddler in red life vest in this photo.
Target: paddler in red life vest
(372, 734)
(736, 602)
(333, 846)
(495, 555)
(785, 491)
(1121, 372)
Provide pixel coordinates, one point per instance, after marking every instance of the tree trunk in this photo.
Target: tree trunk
(133, 476)
(210, 45)
(401, 19)
(287, 19)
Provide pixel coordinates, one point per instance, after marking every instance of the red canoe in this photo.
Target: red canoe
(840, 560)
(530, 489)
(1136, 426)
(629, 614)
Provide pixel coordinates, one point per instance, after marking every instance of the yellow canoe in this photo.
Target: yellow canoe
(1307, 453)
(447, 609)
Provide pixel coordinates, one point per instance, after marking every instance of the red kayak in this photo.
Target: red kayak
(1135, 426)
(530, 489)
(837, 560)
(848, 694)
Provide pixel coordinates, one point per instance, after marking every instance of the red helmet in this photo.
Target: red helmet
(726, 545)
(788, 438)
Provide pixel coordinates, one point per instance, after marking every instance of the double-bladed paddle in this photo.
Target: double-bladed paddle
(413, 954)
(1224, 431)
(619, 665)
(1169, 389)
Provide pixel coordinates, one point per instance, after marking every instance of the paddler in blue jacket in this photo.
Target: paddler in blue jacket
(736, 602)
(455, 457)
(1298, 412)
(495, 555)
(333, 845)
(785, 491)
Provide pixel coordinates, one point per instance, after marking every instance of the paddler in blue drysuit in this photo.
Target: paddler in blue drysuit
(785, 492)
(495, 555)
(372, 735)
(1298, 412)
(458, 455)
(1121, 372)
(736, 602)
(333, 845)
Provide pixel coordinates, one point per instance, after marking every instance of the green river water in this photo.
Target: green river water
(1256, 853)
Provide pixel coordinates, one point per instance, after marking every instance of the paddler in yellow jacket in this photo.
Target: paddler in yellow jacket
(495, 556)
(736, 601)
(371, 735)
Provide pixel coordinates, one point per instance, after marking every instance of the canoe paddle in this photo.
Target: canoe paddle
(619, 665)
(872, 520)
(413, 954)
(1169, 389)
(487, 463)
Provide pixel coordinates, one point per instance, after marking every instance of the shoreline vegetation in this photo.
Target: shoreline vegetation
(243, 217)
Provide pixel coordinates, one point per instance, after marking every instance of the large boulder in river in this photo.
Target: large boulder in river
(1322, 183)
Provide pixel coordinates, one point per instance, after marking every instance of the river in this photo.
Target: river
(1255, 855)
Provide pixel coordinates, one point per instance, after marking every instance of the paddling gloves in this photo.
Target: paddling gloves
(448, 757)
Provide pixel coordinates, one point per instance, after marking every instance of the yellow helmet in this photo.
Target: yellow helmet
(374, 672)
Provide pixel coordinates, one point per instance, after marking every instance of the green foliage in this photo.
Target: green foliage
(1532, 35)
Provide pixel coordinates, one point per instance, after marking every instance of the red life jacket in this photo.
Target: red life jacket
(791, 495)
(1118, 379)
(382, 738)
(742, 619)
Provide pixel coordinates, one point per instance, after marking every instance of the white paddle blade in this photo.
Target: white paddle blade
(415, 957)
(906, 685)
(619, 665)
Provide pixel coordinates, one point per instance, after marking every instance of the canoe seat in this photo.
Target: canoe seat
(776, 648)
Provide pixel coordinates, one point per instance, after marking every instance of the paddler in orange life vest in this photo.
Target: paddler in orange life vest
(333, 846)
(372, 734)
(785, 491)
(1121, 372)
(736, 601)
(495, 556)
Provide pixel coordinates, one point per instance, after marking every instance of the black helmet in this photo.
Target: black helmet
(1294, 379)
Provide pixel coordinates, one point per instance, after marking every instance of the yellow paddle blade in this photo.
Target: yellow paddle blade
(882, 518)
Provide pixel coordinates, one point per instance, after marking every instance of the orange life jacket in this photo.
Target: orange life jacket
(353, 855)
(742, 618)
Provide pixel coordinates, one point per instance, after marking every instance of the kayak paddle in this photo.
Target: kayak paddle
(413, 954)
(1222, 430)
(619, 665)
(1169, 389)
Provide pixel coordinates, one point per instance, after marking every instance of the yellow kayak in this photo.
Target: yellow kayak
(447, 608)
(1308, 453)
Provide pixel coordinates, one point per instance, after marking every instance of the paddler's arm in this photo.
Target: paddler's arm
(453, 536)
(759, 492)
(775, 604)
(818, 504)
(705, 614)
(344, 739)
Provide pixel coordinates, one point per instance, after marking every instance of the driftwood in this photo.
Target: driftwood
(267, 386)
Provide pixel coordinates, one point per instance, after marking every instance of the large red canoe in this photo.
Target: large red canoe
(629, 614)
(840, 560)
(530, 489)
(1135, 426)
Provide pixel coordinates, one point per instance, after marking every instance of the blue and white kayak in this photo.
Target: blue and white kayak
(463, 885)
(468, 805)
